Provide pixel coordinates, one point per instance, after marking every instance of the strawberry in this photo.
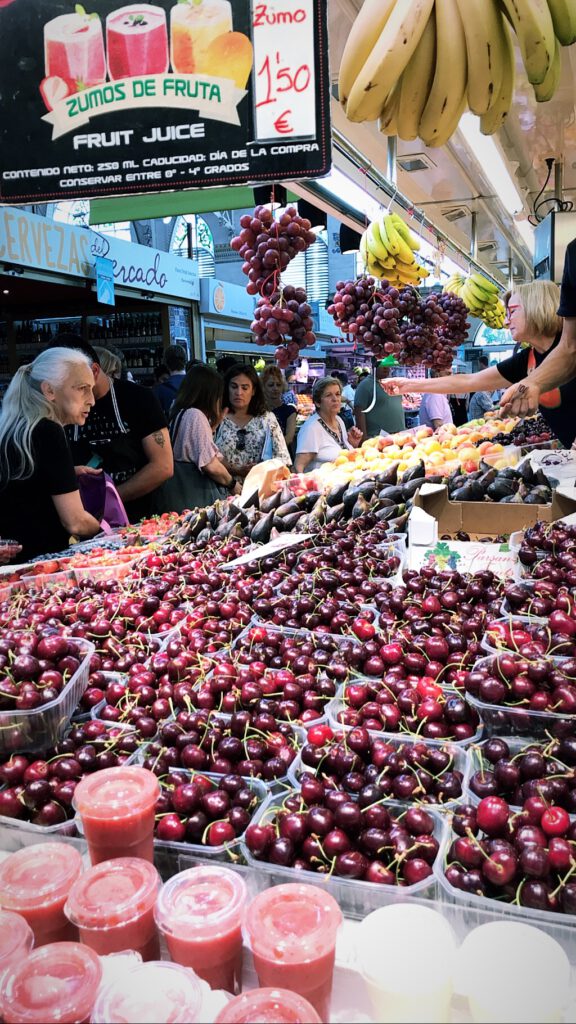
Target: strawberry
(54, 89)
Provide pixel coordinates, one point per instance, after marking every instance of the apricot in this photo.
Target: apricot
(229, 56)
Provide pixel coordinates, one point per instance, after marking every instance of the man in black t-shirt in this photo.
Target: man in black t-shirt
(127, 431)
(559, 368)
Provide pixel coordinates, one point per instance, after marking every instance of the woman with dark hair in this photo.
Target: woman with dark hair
(249, 433)
(200, 476)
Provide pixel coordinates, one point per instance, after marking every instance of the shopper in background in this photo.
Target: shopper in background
(110, 362)
(557, 366)
(435, 409)
(323, 436)
(175, 359)
(126, 435)
(249, 433)
(273, 388)
(161, 373)
(534, 322)
(480, 402)
(290, 395)
(374, 409)
(349, 390)
(40, 504)
(225, 363)
(200, 476)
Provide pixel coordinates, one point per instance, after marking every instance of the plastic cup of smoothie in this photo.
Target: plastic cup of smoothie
(57, 984)
(35, 882)
(268, 1006)
(16, 940)
(116, 808)
(161, 992)
(200, 913)
(137, 41)
(112, 905)
(292, 933)
(390, 941)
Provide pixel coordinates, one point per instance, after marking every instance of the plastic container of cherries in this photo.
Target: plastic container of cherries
(508, 719)
(519, 634)
(516, 768)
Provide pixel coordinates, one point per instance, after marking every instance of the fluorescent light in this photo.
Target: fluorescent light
(526, 231)
(488, 154)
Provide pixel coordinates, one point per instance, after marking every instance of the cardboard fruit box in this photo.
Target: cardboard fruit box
(488, 518)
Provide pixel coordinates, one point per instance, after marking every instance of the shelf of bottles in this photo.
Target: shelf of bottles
(138, 336)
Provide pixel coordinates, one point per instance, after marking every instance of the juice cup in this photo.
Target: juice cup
(116, 808)
(161, 992)
(274, 1005)
(292, 932)
(529, 973)
(56, 985)
(192, 28)
(35, 882)
(74, 49)
(199, 912)
(137, 41)
(391, 940)
(112, 905)
(16, 940)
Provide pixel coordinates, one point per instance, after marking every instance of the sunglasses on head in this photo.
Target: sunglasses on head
(241, 439)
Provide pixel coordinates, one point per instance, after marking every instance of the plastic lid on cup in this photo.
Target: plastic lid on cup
(38, 875)
(112, 893)
(422, 930)
(203, 898)
(116, 792)
(55, 984)
(158, 990)
(293, 923)
(268, 1006)
(16, 938)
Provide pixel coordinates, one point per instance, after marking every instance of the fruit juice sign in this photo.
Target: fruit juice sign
(111, 99)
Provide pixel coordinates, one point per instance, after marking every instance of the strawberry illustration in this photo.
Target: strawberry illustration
(54, 89)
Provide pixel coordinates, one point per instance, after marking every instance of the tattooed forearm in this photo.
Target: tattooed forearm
(159, 439)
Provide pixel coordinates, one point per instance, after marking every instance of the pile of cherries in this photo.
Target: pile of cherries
(516, 682)
(546, 769)
(548, 552)
(204, 811)
(35, 666)
(525, 857)
(554, 636)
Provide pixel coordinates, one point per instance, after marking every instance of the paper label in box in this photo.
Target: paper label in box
(465, 557)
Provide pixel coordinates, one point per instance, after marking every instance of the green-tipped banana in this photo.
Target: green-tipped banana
(563, 13)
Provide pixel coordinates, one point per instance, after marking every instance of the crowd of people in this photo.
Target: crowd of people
(73, 413)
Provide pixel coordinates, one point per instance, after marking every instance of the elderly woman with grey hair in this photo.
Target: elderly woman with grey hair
(323, 437)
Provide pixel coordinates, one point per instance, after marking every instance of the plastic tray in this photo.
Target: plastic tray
(461, 759)
(500, 720)
(515, 617)
(271, 671)
(356, 898)
(516, 744)
(338, 704)
(42, 727)
(167, 854)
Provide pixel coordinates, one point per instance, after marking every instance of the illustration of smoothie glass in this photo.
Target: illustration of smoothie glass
(74, 49)
(137, 41)
(193, 26)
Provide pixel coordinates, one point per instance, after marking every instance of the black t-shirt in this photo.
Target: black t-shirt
(557, 406)
(283, 413)
(114, 430)
(27, 512)
(568, 289)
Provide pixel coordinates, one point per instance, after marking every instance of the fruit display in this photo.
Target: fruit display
(533, 430)
(480, 296)
(387, 247)
(522, 857)
(510, 486)
(552, 636)
(267, 245)
(539, 598)
(418, 66)
(327, 832)
(542, 772)
(516, 696)
(547, 552)
(203, 809)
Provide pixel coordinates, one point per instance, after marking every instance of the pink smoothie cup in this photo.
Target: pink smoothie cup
(35, 882)
(268, 1006)
(161, 992)
(116, 808)
(292, 933)
(200, 912)
(16, 940)
(112, 905)
(55, 985)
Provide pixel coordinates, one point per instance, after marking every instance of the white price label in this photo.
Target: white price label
(284, 69)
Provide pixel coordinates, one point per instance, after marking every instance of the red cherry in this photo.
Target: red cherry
(555, 821)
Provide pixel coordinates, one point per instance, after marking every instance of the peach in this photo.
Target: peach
(229, 56)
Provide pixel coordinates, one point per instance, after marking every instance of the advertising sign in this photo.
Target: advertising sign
(119, 99)
(105, 281)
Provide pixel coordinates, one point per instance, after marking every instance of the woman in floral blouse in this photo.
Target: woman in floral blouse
(249, 434)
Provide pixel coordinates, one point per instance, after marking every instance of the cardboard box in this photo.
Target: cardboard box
(487, 518)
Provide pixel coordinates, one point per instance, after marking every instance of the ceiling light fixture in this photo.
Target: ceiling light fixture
(526, 232)
(489, 155)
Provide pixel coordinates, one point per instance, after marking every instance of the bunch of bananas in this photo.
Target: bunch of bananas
(387, 247)
(480, 297)
(417, 65)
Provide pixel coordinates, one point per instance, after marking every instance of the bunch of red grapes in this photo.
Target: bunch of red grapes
(267, 245)
(399, 323)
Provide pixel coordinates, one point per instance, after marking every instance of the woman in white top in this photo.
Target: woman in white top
(323, 436)
(249, 433)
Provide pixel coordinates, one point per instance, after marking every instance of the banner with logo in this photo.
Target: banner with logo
(112, 99)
